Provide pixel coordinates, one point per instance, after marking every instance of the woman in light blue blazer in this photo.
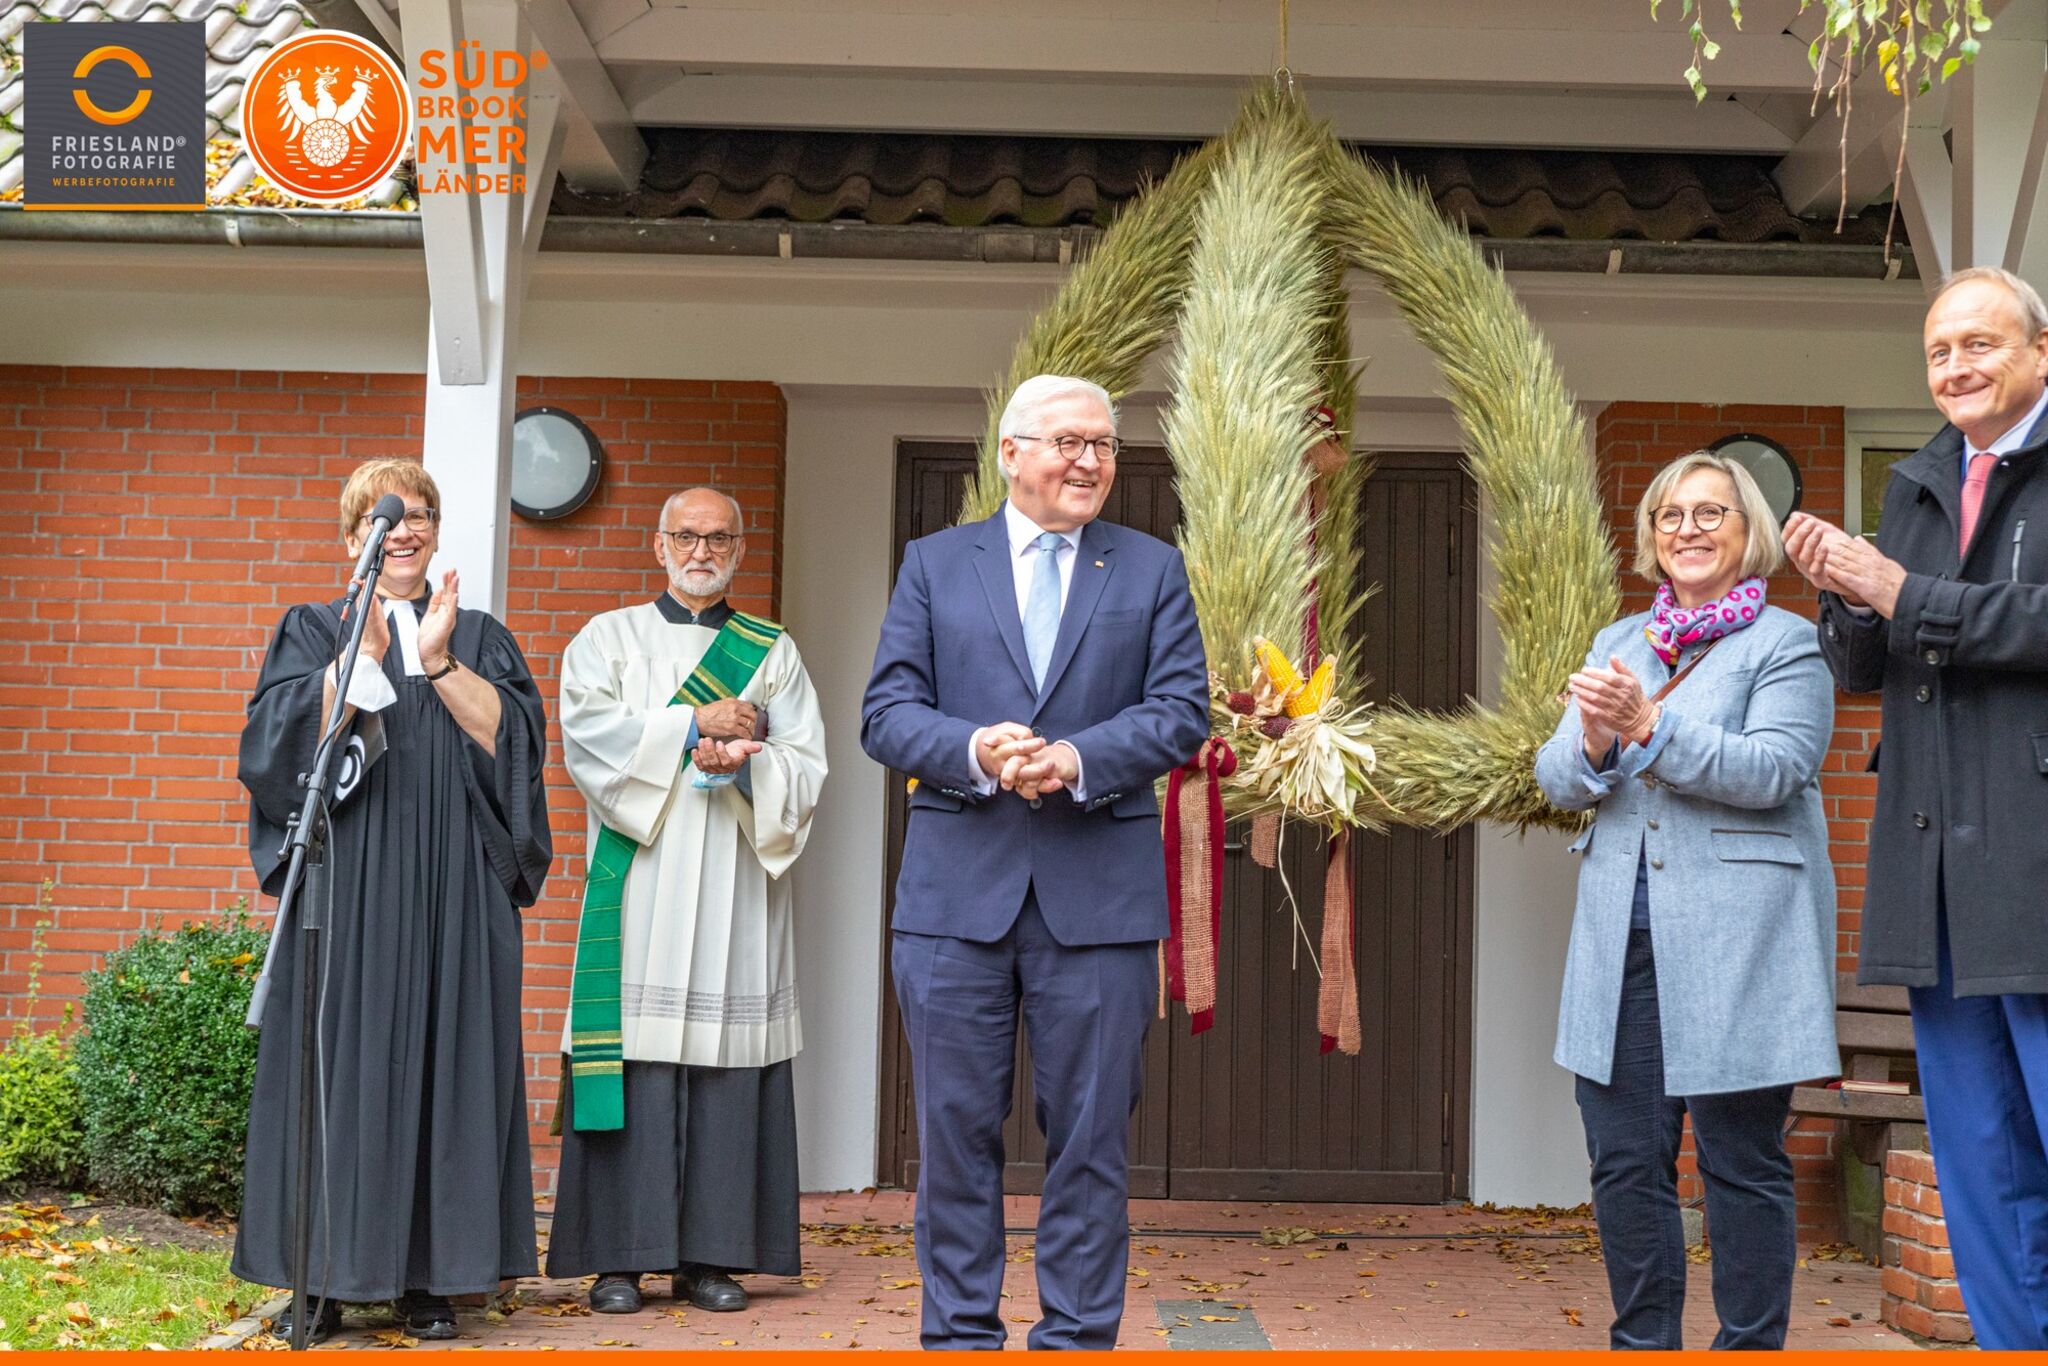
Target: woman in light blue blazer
(1701, 974)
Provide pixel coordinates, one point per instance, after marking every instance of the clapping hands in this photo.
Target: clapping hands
(1848, 566)
(1611, 704)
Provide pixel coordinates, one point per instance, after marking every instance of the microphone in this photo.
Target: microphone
(390, 510)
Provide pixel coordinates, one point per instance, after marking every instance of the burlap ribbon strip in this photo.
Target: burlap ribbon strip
(1337, 999)
(1194, 879)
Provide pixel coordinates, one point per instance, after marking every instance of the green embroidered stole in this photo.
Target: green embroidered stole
(596, 1025)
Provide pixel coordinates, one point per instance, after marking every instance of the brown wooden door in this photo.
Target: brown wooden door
(1251, 1110)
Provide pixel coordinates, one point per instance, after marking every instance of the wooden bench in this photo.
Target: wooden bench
(1875, 1032)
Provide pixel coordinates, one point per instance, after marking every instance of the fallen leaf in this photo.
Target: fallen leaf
(728, 1342)
(1571, 1316)
(1823, 1301)
(397, 1339)
(1459, 1315)
(76, 1312)
(1839, 1321)
(1224, 1318)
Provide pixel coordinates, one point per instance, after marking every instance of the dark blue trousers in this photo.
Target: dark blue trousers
(1085, 1014)
(1984, 1072)
(1632, 1134)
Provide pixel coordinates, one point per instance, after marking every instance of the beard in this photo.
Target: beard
(700, 581)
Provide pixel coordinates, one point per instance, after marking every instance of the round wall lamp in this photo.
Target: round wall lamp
(556, 463)
(1771, 465)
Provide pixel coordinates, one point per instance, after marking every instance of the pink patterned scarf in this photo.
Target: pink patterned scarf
(1671, 628)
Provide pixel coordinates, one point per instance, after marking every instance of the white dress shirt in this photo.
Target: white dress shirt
(1024, 534)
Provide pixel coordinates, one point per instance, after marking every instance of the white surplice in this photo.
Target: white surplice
(708, 950)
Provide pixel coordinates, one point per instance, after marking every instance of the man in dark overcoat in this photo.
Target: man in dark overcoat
(1947, 615)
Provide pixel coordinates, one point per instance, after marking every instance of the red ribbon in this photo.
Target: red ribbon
(1194, 874)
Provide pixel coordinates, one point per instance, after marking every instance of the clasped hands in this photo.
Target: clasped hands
(1611, 706)
(729, 731)
(1024, 763)
(1848, 566)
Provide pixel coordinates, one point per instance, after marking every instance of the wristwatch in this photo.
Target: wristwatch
(450, 667)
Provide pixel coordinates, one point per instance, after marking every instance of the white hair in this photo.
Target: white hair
(1032, 396)
(739, 516)
(2033, 313)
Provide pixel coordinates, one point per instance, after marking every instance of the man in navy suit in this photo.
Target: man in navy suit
(1037, 672)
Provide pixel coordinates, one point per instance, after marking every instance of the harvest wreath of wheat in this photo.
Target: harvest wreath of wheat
(1241, 253)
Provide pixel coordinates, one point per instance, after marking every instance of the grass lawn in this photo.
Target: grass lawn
(66, 1282)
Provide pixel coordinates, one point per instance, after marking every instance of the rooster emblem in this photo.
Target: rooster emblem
(325, 130)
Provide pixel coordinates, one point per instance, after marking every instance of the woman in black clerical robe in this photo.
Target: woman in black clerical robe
(426, 1190)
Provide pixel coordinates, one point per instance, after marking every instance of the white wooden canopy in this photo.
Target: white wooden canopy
(1590, 74)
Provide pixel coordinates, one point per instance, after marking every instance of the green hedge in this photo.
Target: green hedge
(165, 1066)
(39, 1109)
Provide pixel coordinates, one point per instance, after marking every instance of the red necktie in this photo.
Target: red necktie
(1973, 493)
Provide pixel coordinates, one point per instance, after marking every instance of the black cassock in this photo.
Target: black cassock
(429, 1184)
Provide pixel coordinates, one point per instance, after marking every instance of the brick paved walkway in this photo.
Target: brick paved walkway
(1202, 1275)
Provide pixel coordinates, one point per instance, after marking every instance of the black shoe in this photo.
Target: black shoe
(616, 1292)
(707, 1287)
(326, 1322)
(426, 1316)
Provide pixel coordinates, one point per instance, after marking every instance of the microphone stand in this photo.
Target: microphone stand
(306, 849)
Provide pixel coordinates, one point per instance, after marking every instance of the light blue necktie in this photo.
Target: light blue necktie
(1042, 607)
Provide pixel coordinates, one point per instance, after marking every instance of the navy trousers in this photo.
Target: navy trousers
(1984, 1072)
(1632, 1135)
(1085, 1014)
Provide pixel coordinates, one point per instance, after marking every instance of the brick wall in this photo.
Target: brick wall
(1633, 441)
(1920, 1293)
(153, 526)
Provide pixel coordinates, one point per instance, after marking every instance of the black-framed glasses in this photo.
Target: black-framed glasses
(1106, 448)
(686, 542)
(417, 519)
(1670, 519)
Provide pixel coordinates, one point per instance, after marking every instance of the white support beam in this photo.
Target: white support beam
(1927, 203)
(448, 222)
(1668, 120)
(1828, 164)
(2026, 246)
(604, 150)
(1037, 45)
(468, 439)
(1995, 104)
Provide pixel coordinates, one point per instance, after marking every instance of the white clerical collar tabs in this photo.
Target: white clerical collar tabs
(405, 627)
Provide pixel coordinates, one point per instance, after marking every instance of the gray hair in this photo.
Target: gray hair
(2033, 313)
(1035, 393)
(1764, 553)
(739, 516)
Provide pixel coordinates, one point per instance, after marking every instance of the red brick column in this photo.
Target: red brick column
(1920, 1291)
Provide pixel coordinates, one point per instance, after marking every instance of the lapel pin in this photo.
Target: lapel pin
(1098, 564)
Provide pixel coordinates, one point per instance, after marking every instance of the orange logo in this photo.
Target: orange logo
(326, 116)
(110, 53)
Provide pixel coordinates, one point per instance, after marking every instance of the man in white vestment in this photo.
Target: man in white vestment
(700, 758)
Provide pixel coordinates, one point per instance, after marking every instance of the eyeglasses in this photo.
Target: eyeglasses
(1706, 517)
(1106, 448)
(416, 519)
(686, 542)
